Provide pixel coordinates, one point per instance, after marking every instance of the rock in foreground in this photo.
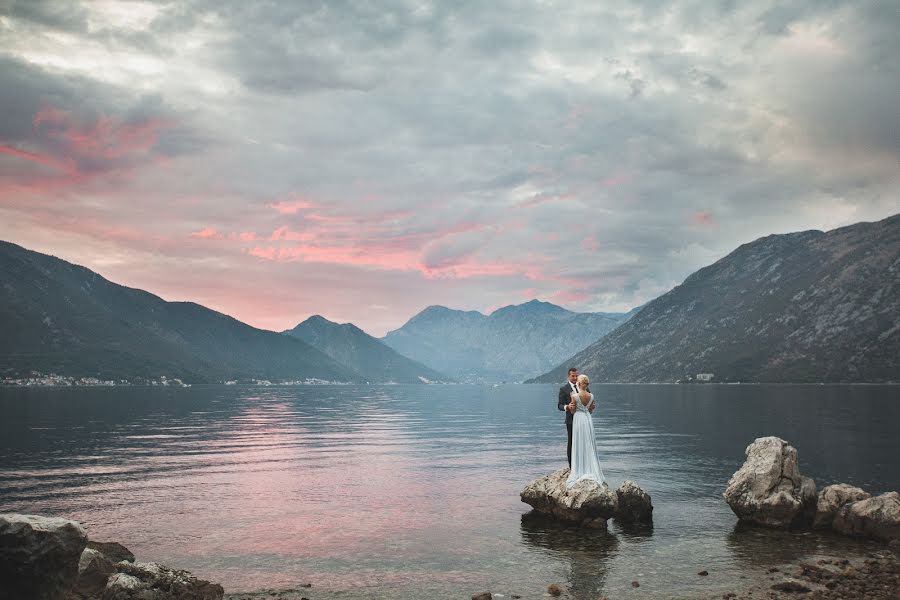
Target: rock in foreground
(832, 499)
(768, 489)
(46, 558)
(151, 581)
(877, 517)
(114, 551)
(94, 570)
(38, 556)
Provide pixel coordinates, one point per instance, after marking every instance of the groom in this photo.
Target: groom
(565, 402)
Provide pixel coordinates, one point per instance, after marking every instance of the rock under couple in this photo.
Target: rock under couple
(581, 450)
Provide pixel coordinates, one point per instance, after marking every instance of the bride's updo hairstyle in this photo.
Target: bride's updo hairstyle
(584, 383)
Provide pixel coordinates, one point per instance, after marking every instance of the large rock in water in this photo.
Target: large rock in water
(877, 517)
(151, 581)
(586, 503)
(634, 504)
(832, 499)
(94, 570)
(768, 489)
(38, 556)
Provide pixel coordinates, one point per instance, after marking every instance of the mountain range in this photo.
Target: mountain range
(349, 345)
(510, 344)
(63, 318)
(810, 306)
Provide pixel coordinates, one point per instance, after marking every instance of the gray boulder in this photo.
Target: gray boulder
(93, 571)
(586, 503)
(152, 581)
(832, 499)
(114, 551)
(634, 504)
(38, 556)
(877, 517)
(768, 489)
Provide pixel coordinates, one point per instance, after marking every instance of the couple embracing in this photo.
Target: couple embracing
(577, 400)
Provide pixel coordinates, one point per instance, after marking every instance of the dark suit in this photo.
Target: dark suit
(565, 396)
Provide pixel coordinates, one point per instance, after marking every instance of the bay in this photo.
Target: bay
(413, 491)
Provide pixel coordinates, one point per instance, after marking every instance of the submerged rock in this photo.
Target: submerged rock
(768, 489)
(634, 505)
(586, 502)
(38, 556)
(832, 499)
(877, 517)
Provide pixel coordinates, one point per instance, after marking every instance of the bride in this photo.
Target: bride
(585, 464)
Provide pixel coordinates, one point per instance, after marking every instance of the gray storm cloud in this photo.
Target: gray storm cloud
(493, 152)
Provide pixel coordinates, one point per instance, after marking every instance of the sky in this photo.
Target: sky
(274, 160)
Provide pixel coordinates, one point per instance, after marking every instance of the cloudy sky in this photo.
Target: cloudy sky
(363, 160)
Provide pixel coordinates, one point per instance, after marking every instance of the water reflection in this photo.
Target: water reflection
(634, 532)
(588, 553)
(762, 546)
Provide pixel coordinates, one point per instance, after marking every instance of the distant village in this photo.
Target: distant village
(37, 379)
(698, 378)
(53, 380)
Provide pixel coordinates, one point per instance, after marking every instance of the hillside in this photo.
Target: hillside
(63, 318)
(510, 344)
(799, 307)
(349, 345)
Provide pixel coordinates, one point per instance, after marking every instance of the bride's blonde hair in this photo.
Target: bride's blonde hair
(584, 382)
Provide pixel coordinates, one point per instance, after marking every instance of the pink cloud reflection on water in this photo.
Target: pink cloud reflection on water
(288, 512)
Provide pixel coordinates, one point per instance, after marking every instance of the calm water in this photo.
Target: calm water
(413, 491)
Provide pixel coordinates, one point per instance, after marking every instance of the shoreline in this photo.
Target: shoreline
(108, 384)
(874, 576)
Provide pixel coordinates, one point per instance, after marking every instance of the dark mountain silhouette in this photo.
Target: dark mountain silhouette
(799, 307)
(63, 318)
(370, 357)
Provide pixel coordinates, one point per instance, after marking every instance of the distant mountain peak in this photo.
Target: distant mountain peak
(317, 320)
(348, 344)
(510, 344)
(532, 306)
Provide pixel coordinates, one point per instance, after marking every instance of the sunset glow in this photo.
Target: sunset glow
(442, 156)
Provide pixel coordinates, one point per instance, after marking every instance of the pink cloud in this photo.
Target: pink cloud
(590, 243)
(291, 207)
(207, 233)
(286, 234)
(80, 153)
(357, 255)
(63, 165)
(210, 233)
(615, 180)
(703, 218)
(106, 139)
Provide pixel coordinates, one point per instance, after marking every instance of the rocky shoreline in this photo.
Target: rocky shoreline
(873, 577)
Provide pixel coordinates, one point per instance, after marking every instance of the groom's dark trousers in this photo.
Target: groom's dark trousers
(565, 396)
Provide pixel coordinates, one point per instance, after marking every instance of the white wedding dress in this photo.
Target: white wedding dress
(585, 464)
